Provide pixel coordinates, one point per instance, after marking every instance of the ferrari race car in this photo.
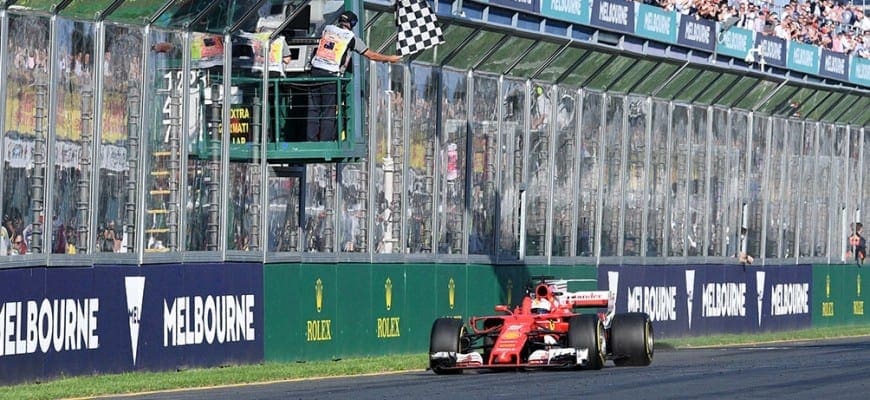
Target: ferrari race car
(545, 331)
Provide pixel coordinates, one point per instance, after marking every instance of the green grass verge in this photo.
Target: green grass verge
(723, 340)
(89, 386)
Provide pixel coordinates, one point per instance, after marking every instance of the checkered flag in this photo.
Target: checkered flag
(418, 28)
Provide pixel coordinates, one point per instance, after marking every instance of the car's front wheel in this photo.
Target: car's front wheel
(586, 332)
(446, 336)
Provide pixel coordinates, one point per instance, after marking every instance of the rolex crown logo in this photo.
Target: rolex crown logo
(451, 293)
(318, 294)
(388, 293)
(828, 285)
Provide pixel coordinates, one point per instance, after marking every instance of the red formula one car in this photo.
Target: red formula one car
(545, 331)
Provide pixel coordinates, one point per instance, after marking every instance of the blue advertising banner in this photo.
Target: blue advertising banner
(735, 42)
(110, 319)
(803, 57)
(615, 15)
(772, 49)
(656, 23)
(834, 65)
(567, 10)
(712, 299)
(697, 33)
(22, 294)
(81, 318)
(196, 315)
(525, 5)
(859, 71)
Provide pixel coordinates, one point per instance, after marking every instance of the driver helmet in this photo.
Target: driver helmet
(540, 306)
(349, 18)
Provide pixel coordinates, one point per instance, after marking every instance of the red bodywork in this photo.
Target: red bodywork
(513, 331)
(544, 331)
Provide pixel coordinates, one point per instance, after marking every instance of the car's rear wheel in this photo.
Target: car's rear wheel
(631, 339)
(586, 332)
(446, 336)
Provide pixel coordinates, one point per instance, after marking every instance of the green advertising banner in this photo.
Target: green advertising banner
(451, 297)
(567, 10)
(360, 312)
(488, 286)
(735, 42)
(317, 294)
(420, 304)
(803, 57)
(656, 23)
(283, 339)
(327, 311)
(838, 295)
(859, 70)
(390, 329)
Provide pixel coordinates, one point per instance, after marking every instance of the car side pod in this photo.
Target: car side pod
(631, 340)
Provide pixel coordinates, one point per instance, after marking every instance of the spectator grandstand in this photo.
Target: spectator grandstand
(834, 25)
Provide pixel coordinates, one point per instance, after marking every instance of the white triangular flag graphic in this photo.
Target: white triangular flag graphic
(759, 283)
(135, 286)
(690, 293)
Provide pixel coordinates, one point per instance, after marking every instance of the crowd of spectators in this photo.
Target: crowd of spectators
(835, 25)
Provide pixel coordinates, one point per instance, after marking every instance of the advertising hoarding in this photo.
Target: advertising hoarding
(110, 319)
(713, 299)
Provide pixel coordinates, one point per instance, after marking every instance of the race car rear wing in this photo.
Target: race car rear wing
(582, 298)
(596, 299)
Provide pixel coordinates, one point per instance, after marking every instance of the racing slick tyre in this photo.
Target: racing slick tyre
(446, 336)
(586, 332)
(631, 339)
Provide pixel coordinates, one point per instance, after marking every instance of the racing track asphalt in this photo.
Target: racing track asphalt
(815, 370)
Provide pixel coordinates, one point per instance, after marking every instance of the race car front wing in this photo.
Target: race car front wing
(554, 357)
